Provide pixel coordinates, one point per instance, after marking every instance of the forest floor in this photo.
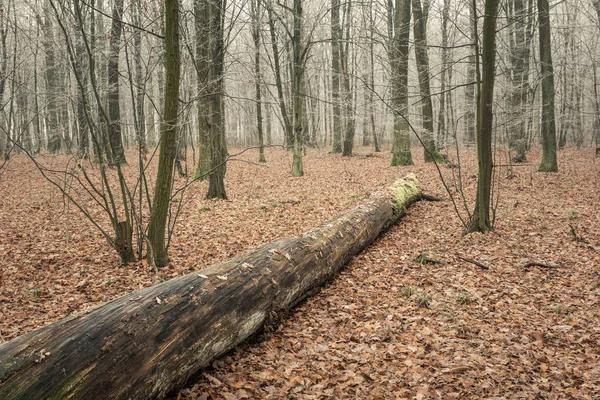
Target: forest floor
(388, 326)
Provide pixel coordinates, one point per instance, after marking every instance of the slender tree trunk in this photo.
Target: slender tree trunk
(218, 150)
(481, 221)
(345, 57)
(269, 124)
(255, 11)
(441, 128)
(81, 66)
(367, 93)
(168, 142)
(140, 81)
(450, 113)
(548, 163)
(470, 102)
(422, 58)
(399, 28)
(287, 123)
(371, 78)
(37, 122)
(336, 71)
(114, 106)
(99, 78)
(297, 92)
(52, 76)
(519, 57)
(11, 129)
(596, 123)
(203, 60)
(3, 66)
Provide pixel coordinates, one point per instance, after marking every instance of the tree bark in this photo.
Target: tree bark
(216, 139)
(140, 82)
(336, 71)
(298, 90)
(399, 28)
(481, 221)
(114, 106)
(420, 15)
(4, 138)
(144, 344)
(470, 102)
(51, 75)
(168, 141)
(256, 18)
(548, 163)
(287, 123)
(202, 64)
(371, 88)
(80, 68)
(520, 42)
(350, 114)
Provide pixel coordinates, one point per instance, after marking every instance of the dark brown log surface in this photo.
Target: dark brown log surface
(144, 344)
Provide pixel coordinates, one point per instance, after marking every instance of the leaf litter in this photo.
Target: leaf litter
(388, 326)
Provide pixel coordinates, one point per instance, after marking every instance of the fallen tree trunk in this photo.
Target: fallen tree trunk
(146, 343)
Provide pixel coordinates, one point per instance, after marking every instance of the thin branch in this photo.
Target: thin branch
(123, 22)
(480, 265)
(537, 264)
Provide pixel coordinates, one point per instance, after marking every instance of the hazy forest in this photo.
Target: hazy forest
(299, 199)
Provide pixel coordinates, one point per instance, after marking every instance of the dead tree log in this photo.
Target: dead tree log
(144, 344)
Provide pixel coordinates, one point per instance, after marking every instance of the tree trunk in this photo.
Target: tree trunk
(81, 67)
(371, 87)
(140, 82)
(203, 55)
(399, 28)
(548, 163)
(519, 59)
(470, 102)
(287, 124)
(168, 142)
(350, 119)
(216, 141)
(144, 344)
(422, 58)
(51, 75)
(255, 14)
(298, 92)
(442, 132)
(336, 71)
(481, 221)
(3, 65)
(114, 106)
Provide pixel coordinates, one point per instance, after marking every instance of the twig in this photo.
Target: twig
(480, 265)
(537, 264)
(430, 197)
(424, 259)
(123, 22)
(576, 236)
(513, 165)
